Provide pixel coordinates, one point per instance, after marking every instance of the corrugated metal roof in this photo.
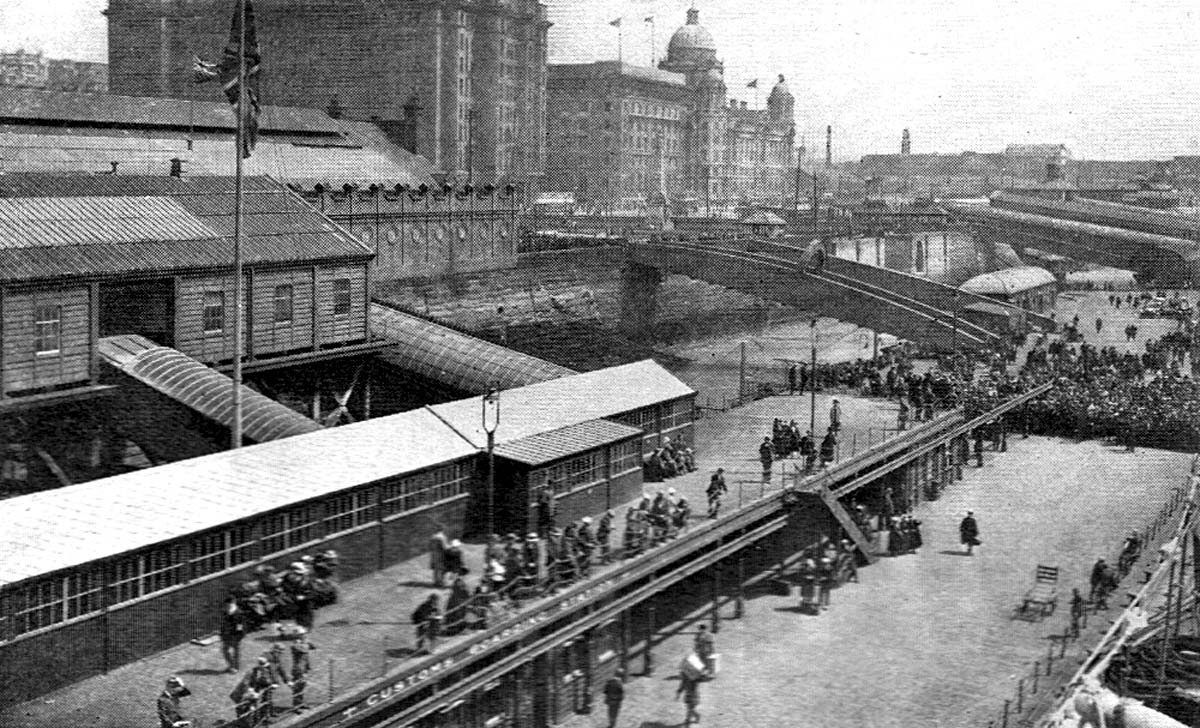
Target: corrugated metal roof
(79, 225)
(58, 529)
(566, 401)
(1008, 281)
(26, 104)
(565, 442)
(202, 389)
(463, 362)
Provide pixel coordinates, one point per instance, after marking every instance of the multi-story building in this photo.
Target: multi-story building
(619, 131)
(24, 69)
(460, 83)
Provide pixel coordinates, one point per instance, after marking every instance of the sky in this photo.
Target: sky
(1112, 79)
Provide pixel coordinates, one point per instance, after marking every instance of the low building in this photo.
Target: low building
(1029, 287)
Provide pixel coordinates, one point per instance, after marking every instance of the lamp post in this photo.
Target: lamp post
(812, 410)
(491, 420)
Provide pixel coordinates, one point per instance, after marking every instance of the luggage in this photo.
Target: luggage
(692, 667)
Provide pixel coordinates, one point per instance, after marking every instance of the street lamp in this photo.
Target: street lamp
(491, 420)
(812, 410)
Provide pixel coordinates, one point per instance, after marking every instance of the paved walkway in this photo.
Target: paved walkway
(927, 639)
(368, 632)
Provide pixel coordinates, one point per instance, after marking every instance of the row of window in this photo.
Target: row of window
(570, 474)
(283, 305)
(31, 607)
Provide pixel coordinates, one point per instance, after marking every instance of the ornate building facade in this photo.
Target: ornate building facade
(619, 133)
(460, 82)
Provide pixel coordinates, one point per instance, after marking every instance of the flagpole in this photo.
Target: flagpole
(236, 429)
(653, 47)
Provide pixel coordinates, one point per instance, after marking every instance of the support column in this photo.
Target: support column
(648, 650)
(739, 609)
(639, 299)
(716, 597)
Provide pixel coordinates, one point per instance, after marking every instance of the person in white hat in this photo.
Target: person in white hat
(168, 704)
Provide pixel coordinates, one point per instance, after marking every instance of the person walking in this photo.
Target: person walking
(828, 448)
(690, 690)
(1099, 325)
(614, 695)
(705, 647)
(604, 536)
(766, 455)
(1076, 612)
(968, 532)
(427, 618)
(716, 489)
(232, 631)
(301, 666)
(438, 544)
(835, 416)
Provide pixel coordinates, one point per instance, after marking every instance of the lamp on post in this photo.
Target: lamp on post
(491, 420)
(812, 377)
(954, 324)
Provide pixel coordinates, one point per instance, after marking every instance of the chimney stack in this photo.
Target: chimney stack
(829, 145)
(905, 143)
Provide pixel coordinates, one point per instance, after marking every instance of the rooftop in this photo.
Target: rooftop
(1008, 281)
(564, 442)
(95, 225)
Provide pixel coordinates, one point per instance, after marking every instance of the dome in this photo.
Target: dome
(692, 43)
(780, 89)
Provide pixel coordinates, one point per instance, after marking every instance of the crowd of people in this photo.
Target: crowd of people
(668, 461)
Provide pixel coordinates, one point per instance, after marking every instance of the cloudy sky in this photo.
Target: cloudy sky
(1111, 78)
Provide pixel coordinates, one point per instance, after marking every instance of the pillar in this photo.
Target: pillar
(639, 299)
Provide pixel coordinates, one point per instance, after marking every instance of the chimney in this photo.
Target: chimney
(176, 167)
(905, 143)
(743, 105)
(829, 145)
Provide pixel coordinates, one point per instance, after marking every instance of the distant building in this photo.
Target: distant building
(671, 127)
(461, 84)
(24, 69)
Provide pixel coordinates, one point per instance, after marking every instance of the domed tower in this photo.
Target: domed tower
(691, 48)
(693, 53)
(781, 104)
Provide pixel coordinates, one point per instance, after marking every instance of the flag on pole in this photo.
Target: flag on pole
(227, 73)
(752, 84)
(615, 23)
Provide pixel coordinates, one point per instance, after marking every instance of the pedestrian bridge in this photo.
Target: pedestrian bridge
(925, 312)
(1158, 246)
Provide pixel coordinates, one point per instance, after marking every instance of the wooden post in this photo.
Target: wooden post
(1037, 670)
(1021, 695)
(739, 607)
(1004, 718)
(647, 652)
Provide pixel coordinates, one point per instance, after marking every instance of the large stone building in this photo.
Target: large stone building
(460, 83)
(31, 69)
(619, 133)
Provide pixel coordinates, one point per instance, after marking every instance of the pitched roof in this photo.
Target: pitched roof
(1008, 281)
(44, 531)
(94, 225)
(565, 442)
(569, 400)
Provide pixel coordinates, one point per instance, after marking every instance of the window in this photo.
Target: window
(626, 456)
(570, 474)
(215, 552)
(214, 311)
(289, 529)
(341, 296)
(425, 489)
(283, 303)
(144, 574)
(348, 511)
(677, 414)
(47, 329)
(35, 606)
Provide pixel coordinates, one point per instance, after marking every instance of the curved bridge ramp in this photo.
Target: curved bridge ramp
(780, 273)
(449, 357)
(175, 407)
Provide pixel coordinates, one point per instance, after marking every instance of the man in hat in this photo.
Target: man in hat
(968, 532)
(614, 694)
(438, 543)
(604, 535)
(766, 455)
(1098, 595)
(705, 647)
(301, 665)
(455, 564)
(716, 489)
(232, 631)
(168, 703)
(427, 618)
(585, 545)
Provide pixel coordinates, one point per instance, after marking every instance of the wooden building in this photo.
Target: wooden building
(85, 257)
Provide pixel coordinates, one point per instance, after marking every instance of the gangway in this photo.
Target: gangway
(174, 407)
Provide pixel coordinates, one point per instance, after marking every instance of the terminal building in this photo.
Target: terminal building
(669, 129)
(187, 532)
